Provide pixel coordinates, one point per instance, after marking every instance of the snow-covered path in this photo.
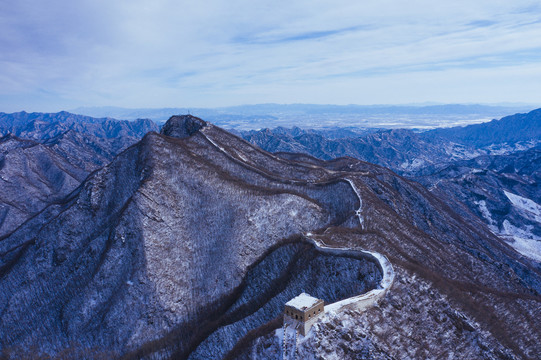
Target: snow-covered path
(358, 211)
(366, 300)
(363, 301)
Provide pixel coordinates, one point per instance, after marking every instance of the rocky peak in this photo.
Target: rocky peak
(182, 126)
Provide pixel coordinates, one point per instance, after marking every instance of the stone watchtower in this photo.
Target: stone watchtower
(302, 312)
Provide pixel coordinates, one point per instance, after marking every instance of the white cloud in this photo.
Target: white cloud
(213, 53)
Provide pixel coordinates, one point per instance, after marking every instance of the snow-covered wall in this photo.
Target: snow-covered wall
(366, 300)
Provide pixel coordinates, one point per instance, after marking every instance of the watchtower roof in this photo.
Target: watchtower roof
(302, 302)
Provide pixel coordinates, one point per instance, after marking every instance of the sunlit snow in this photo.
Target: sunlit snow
(529, 208)
(523, 239)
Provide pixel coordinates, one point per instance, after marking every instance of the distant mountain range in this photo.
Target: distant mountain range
(406, 151)
(510, 129)
(400, 150)
(255, 117)
(474, 168)
(40, 126)
(43, 157)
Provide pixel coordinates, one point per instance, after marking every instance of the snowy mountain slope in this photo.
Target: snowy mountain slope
(173, 248)
(43, 157)
(469, 168)
(31, 176)
(526, 239)
(501, 190)
(145, 230)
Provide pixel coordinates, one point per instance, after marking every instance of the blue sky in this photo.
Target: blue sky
(60, 54)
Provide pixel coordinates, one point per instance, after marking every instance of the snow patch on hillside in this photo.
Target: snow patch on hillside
(412, 165)
(486, 214)
(508, 148)
(522, 239)
(529, 208)
(461, 152)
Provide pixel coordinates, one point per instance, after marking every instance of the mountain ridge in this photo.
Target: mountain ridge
(173, 226)
(509, 129)
(51, 154)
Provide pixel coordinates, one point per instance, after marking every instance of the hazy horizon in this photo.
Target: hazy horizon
(313, 116)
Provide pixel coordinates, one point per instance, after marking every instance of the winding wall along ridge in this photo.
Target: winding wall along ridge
(363, 301)
(366, 300)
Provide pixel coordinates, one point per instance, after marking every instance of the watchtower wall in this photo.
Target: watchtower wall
(304, 319)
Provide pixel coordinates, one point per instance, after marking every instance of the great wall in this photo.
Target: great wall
(359, 303)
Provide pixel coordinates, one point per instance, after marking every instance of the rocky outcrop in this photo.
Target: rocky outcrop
(182, 126)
